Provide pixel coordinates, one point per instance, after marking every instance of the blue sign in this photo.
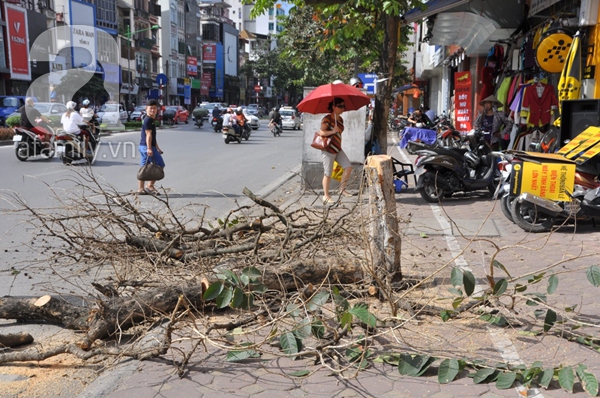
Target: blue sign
(187, 94)
(161, 78)
(368, 80)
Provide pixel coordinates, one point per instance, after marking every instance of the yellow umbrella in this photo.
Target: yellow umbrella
(569, 85)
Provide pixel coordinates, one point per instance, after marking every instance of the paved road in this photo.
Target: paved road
(433, 235)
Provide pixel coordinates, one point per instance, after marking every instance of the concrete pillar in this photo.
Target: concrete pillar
(353, 143)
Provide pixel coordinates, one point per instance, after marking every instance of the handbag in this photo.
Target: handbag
(319, 142)
(150, 171)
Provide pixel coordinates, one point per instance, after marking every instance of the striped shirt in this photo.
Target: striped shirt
(336, 139)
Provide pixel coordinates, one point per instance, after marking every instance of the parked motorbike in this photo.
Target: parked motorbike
(276, 130)
(503, 189)
(536, 214)
(445, 171)
(28, 143)
(217, 124)
(70, 147)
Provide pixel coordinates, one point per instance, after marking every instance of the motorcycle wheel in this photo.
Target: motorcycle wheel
(22, 151)
(48, 153)
(227, 140)
(186, 121)
(505, 202)
(528, 218)
(429, 191)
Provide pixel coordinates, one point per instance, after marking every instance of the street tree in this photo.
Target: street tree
(93, 89)
(365, 31)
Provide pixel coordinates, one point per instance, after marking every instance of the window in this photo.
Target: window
(271, 26)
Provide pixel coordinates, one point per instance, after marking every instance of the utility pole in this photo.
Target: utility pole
(168, 82)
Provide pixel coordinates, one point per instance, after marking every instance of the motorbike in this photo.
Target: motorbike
(217, 124)
(445, 171)
(229, 135)
(246, 131)
(536, 214)
(70, 147)
(276, 129)
(199, 122)
(28, 143)
(502, 193)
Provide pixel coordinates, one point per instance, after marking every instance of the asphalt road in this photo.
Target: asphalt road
(201, 170)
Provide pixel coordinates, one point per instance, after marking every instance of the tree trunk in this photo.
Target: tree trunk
(15, 340)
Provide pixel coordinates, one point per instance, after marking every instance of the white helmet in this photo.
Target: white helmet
(71, 105)
(86, 102)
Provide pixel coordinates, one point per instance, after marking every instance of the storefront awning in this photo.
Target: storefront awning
(472, 24)
(431, 8)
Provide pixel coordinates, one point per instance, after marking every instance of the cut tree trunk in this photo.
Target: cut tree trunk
(15, 340)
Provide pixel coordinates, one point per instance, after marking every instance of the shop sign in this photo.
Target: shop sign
(548, 176)
(18, 42)
(462, 101)
(209, 53)
(83, 34)
(192, 66)
(205, 83)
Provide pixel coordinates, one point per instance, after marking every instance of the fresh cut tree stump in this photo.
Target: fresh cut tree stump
(385, 240)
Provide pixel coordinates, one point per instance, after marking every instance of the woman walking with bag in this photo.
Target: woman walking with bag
(149, 148)
(332, 126)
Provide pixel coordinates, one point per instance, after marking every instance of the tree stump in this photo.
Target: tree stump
(385, 240)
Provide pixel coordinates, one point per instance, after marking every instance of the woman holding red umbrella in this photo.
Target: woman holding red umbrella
(332, 125)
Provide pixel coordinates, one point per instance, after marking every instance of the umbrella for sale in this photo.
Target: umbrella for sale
(569, 84)
(318, 100)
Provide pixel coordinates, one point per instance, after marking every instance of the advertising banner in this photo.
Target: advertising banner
(548, 176)
(583, 147)
(83, 34)
(187, 94)
(209, 53)
(462, 101)
(219, 73)
(192, 66)
(205, 83)
(18, 42)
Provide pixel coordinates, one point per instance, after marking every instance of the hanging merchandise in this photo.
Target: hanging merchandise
(551, 53)
(538, 104)
(569, 85)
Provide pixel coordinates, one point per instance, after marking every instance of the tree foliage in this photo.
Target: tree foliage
(93, 89)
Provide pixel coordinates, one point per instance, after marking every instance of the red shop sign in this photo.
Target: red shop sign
(18, 43)
(192, 66)
(462, 101)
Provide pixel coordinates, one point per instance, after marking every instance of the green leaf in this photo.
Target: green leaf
(571, 309)
(252, 273)
(448, 371)
(213, 291)
(424, 235)
(546, 377)
(445, 315)
(455, 291)
(224, 298)
(457, 302)
(293, 310)
(497, 320)
(317, 300)
(303, 330)
(506, 380)
(456, 277)
(289, 343)
(346, 320)
(588, 380)
(536, 278)
(361, 311)
(520, 288)
(244, 280)
(468, 282)
(259, 288)
(535, 299)
(426, 365)
(593, 275)
(317, 328)
(498, 264)
(566, 378)
(409, 365)
(299, 373)
(500, 287)
(231, 277)
(549, 320)
(341, 302)
(247, 302)
(238, 297)
(237, 355)
(552, 284)
(483, 375)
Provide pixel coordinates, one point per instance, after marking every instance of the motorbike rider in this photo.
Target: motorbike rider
(87, 113)
(241, 120)
(29, 114)
(216, 113)
(275, 118)
(70, 121)
(228, 120)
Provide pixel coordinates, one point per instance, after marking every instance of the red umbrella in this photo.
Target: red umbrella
(318, 100)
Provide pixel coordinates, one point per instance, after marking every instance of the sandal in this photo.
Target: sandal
(346, 194)
(142, 192)
(152, 192)
(327, 200)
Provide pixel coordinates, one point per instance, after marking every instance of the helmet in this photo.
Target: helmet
(419, 125)
(471, 159)
(356, 82)
(71, 105)
(229, 110)
(86, 102)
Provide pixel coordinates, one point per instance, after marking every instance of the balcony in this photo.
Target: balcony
(154, 9)
(142, 14)
(145, 43)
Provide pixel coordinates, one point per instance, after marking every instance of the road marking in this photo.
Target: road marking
(499, 337)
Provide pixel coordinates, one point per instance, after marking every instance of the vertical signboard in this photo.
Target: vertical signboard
(192, 66)
(462, 101)
(18, 42)
(83, 35)
(209, 53)
(219, 72)
(205, 83)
